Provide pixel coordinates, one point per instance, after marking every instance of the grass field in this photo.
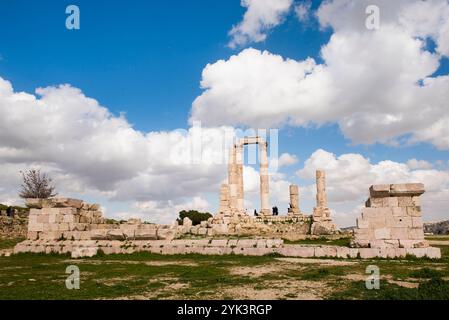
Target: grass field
(149, 276)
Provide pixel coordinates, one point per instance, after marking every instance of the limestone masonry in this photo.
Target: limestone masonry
(392, 218)
(390, 226)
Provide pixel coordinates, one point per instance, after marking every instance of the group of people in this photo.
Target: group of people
(10, 211)
(275, 212)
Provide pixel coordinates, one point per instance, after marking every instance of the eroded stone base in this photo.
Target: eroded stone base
(247, 247)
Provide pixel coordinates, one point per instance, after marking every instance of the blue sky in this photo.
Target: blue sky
(145, 59)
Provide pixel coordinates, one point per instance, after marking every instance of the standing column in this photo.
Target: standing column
(233, 178)
(264, 180)
(240, 190)
(294, 200)
(321, 197)
(224, 198)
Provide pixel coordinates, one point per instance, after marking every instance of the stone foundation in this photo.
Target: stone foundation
(247, 247)
(287, 227)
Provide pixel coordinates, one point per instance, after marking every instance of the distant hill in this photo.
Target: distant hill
(441, 227)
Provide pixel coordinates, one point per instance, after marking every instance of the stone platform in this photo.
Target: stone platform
(246, 247)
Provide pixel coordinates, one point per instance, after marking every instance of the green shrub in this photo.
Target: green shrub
(195, 216)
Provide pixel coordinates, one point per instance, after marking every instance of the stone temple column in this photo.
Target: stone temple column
(321, 196)
(294, 200)
(233, 178)
(240, 190)
(264, 180)
(224, 198)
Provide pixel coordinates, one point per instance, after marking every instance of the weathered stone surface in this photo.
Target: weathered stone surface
(397, 223)
(186, 222)
(382, 190)
(115, 235)
(410, 189)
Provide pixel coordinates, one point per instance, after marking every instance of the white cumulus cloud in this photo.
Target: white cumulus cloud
(259, 18)
(378, 86)
(349, 177)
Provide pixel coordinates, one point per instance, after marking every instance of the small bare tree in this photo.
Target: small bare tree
(36, 185)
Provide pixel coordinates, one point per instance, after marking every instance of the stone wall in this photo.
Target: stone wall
(287, 227)
(248, 247)
(392, 218)
(72, 219)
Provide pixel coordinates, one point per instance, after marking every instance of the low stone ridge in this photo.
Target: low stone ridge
(392, 218)
(247, 247)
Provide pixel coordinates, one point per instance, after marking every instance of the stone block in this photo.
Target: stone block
(360, 243)
(399, 233)
(63, 227)
(343, 253)
(297, 251)
(165, 233)
(414, 211)
(417, 222)
(325, 251)
(219, 243)
(187, 222)
(399, 222)
(145, 234)
(202, 231)
(390, 202)
(274, 243)
(68, 218)
(382, 190)
(94, 207)
(362, 223)
(116, 235)
(32, 235)
(33, 203)
(55, 218)
(416, 234)
(374, 202)
(410, 189)
(247, 243)
(399, 212)
(371, 253)
(406, 243)
(43, 218)
(99, 234)
(405, 202)
(36, 227)
(416, 201)
(67, 202)
(382, 234)
(51, 235)
(372, 213)
(364, 234)
(391, 243)
(433, 253)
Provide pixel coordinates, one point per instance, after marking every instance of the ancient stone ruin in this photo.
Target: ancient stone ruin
(392, 218)
(72, 219)
(232, 218)
(390, 227)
